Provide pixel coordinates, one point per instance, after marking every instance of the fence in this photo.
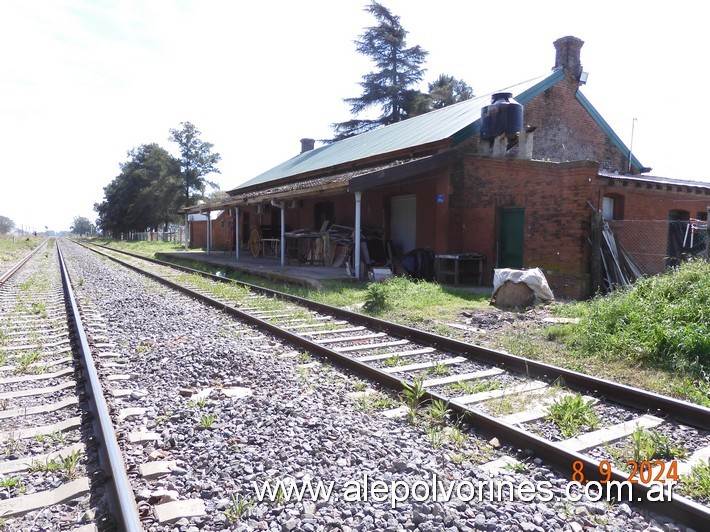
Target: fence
(629, 249)
(177, 236)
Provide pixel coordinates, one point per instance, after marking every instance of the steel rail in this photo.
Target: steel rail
(690, 413)
(12, 271)
(680, 508)
(122, 501)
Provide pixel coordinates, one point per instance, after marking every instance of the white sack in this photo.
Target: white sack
(533, 277)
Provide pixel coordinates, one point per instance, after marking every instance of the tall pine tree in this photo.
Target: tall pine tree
(389, 87)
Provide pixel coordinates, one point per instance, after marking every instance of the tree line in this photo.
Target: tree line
(153, 185)
(6, 225)
(80, 226)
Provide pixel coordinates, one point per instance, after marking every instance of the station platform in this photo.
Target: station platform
(270, 268)
(266, 267)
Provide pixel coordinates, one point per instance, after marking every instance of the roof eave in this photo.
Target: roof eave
(608, 131)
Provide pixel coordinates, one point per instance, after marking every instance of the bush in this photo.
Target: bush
(663, 320)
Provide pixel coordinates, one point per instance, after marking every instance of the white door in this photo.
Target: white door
(403, 220)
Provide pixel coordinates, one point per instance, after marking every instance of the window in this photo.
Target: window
(613, 207)
(608, 208)
(323, 211)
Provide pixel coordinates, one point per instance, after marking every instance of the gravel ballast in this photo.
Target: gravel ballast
(296, 424)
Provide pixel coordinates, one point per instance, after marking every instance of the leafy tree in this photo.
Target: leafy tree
(196, 161)
(145, 195)
(398, 69)
(447, 90)
(157, 174)
(217, 195)
(6, 225)
(81, 225)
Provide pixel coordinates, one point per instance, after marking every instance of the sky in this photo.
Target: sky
(82, 82)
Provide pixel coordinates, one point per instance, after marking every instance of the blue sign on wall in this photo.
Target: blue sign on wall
(440, 198)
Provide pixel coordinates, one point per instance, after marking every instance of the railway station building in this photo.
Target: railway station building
(529, 176)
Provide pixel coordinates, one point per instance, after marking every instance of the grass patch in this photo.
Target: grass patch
(662, 321)
(439, 369)
(474, 386)
(67, 465)
(13, 248)
(359, 386)
(416, 300)
(26, 360)
(647, 445)
(438, 412)
(238, 507)
(140, 247)
(696, 484)
(10, 482)
(412, 395)
(394, 360)
(374, 403)
(572, 414)
(207, 421)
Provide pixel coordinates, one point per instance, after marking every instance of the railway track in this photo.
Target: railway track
(60, 467)
(473, 383)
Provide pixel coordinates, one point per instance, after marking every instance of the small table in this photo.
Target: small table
(457, 265)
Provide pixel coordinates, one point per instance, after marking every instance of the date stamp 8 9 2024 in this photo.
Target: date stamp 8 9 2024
(658, 476)
(641, 472)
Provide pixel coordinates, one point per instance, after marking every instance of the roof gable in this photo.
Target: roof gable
(455, 122)
(606, 128)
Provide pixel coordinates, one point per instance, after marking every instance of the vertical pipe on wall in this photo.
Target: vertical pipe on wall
(282, 205)
(186, 234)
(283, 233)
(209, 232)
(358, 204)
(236, 233)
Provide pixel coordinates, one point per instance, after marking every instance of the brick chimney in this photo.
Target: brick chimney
(567, 55)
(307, 145)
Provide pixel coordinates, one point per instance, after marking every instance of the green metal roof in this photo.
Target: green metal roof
(457, 122)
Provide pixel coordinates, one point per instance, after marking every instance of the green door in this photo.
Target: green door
(511, 239)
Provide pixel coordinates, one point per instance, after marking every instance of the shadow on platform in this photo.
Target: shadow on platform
(266, 267)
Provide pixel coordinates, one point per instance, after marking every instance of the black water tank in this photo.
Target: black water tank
(503, 116)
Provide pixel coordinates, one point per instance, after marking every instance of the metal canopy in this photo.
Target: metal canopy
(397, 173)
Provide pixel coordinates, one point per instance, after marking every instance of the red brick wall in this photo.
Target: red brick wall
(556, 199)
(222, 233)
(650, 201)
(556, 220)
(643, 225)
(567, 132)
(375, 208)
